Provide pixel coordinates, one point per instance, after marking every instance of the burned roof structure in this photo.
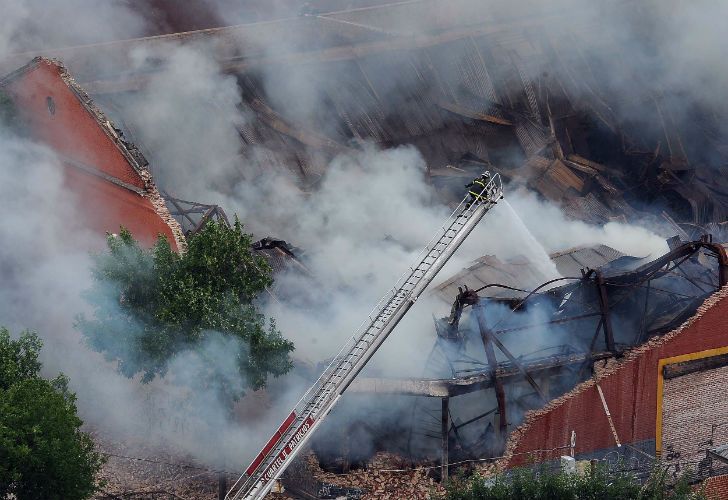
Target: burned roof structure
(519, 272)
(474, 89)
(503, 354)
(470, 87)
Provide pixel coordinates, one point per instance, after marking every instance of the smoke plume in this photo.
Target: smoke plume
(361, 225)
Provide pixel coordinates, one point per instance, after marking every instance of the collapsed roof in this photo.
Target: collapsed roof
(469, 87)
(470, 91)
(512, 352)
(519, 273)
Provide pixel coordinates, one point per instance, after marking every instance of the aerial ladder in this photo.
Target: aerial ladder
(319, 400)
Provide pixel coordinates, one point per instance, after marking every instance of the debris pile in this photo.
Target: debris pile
(386, 476)
(470, 91)
(137, 471)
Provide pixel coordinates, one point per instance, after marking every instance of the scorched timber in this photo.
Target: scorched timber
(442, 388)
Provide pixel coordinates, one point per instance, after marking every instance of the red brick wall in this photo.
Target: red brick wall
(691, 405)
(74, 132)
(716, 488)
(107, 207)
(630, 389)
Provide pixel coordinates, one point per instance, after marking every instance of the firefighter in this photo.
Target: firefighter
(476, 189)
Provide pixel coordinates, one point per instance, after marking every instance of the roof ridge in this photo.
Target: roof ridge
(129, 150)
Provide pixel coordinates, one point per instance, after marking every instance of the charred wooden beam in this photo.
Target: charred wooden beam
(472, 114)
(445, 430)
(643, 321)
(500, 393)
(518, 365)
(440, 388)
(604, 308)
(184, 209)
(305, 137)
(179, 210)
(203, 220)
(672, 134)
(474, 419)
(697, 365)
(592, 165)
(222, 485)
(684, 251)
(545, 323)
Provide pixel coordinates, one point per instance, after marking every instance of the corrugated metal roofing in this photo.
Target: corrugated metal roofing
(518, 272)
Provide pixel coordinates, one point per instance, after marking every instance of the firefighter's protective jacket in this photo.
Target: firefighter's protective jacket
(477, 187)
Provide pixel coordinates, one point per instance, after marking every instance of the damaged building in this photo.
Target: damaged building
(612, 358)
(108, 174)
(482, 381)
(494, 105)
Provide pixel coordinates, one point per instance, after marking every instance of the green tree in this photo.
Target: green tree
(43, 453)
(597, 484)
(153, 305)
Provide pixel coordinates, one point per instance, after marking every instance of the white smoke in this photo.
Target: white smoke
(361, 226)
(45, 266)
(203, 149)
(33, 25)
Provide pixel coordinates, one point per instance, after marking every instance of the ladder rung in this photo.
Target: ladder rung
(324, 392)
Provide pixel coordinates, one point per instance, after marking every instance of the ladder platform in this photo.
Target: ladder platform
(323, 395)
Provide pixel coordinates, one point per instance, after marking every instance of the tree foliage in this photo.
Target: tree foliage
(596, 484)
(43, 453)
(152, 305)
